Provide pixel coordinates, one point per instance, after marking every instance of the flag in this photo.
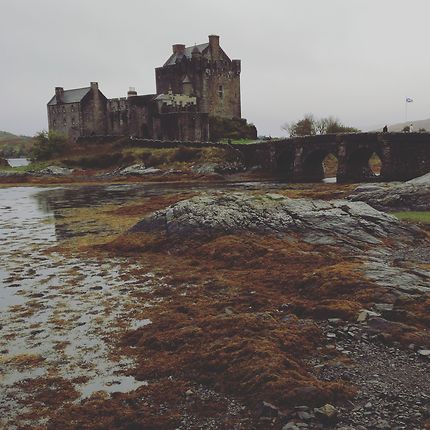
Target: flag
(409, 100)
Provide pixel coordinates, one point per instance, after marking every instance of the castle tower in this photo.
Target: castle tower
(207, 72)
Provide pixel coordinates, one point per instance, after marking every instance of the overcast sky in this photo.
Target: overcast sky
(355, 59)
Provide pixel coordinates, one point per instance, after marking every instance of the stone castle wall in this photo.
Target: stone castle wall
(191, 89)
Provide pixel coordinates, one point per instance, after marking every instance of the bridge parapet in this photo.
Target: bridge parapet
(299, 159)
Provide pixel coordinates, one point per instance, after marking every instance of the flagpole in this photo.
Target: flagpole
(407, 100)
(406, 110)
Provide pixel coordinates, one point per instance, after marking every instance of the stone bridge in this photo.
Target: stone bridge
(403, 156)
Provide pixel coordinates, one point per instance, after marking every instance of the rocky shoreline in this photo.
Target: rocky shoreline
(413, 195)
(228, 310)
(381, 349)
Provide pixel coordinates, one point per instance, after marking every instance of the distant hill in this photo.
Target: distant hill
(422, 123)
(12, 145)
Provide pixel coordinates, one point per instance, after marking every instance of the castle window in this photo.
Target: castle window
(73, 121)
(73, 108)
(64, 109)
(221, 91)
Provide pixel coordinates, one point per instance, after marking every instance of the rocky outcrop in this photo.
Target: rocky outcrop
(137, 170)
(411, 195)
(421, 180)
(317, 221)
(389, 249)
(54, 171)
(226, 168)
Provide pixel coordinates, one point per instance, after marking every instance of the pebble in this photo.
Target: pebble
(290, 426)
(327, 411)
(304, 415)
(382, 424)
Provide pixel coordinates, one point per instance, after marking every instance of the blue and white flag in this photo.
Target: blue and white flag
(409, 100)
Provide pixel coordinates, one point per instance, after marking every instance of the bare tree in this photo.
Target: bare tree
(309, 126)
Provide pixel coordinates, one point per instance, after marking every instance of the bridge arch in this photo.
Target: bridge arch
(359, 163)
(318, 163)
(285, 164)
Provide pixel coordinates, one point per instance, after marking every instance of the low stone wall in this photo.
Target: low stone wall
(144, 143)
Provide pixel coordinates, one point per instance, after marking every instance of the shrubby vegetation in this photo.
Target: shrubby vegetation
(224, 128)
(309, 126)
(48, 145)
(13, 146)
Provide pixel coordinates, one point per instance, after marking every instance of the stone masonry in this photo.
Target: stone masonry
(195, 83)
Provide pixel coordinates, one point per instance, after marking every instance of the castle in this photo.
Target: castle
(196, 84)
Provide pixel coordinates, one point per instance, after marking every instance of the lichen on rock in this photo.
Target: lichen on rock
(321, 222)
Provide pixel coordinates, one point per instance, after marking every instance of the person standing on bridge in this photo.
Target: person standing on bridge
(411, 128)
(385, 129)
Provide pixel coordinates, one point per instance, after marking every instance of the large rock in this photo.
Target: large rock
(318, 222)
(138, 169)
(54, 171)
(411, 195)
(421, 180)
(220, 168)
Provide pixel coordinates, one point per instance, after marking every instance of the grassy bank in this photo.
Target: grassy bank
(414, 216)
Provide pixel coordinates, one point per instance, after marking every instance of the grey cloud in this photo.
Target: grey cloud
(356, 59)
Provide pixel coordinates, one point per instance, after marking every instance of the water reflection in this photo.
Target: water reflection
(96, 195)
(54, 200)
(23, 226)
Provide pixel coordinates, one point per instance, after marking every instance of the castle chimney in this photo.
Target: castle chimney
(131, 92)
(178, 49)
(236, 66)
(94, 86)
(59, 92)
(214, 46)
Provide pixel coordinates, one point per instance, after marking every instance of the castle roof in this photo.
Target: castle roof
(188, 52)
(71, 96)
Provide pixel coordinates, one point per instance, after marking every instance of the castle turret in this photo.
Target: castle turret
(187, 86)
(196, 53)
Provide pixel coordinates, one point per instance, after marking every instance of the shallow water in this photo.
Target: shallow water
(56, 310)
